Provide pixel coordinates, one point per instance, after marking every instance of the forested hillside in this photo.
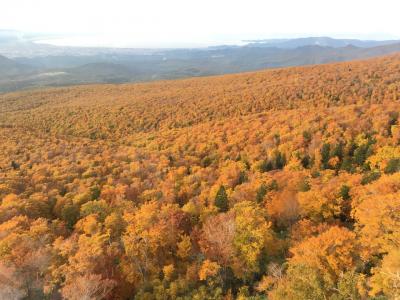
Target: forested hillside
(279, 184)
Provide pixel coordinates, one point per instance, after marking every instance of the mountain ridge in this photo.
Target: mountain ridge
(121, 67)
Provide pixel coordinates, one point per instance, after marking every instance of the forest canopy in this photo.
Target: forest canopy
(278, 184)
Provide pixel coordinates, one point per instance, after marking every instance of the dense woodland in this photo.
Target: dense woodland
(280, 184)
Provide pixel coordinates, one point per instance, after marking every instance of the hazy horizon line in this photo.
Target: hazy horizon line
(123, 40)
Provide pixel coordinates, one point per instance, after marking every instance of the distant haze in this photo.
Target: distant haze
(178, 23)
(115, 41)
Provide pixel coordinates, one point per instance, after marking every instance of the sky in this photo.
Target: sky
(187, 22)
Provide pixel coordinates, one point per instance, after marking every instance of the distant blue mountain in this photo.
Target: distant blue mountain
(318, 41)
(26, 64)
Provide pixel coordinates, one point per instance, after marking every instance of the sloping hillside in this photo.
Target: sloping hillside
(282, 183)
(120, 109)
(9, 67)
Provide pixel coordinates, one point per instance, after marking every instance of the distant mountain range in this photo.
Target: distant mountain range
(9, 67)
(318, 41)
(25, 64)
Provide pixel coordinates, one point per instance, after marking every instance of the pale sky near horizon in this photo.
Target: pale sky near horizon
(159, 22)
